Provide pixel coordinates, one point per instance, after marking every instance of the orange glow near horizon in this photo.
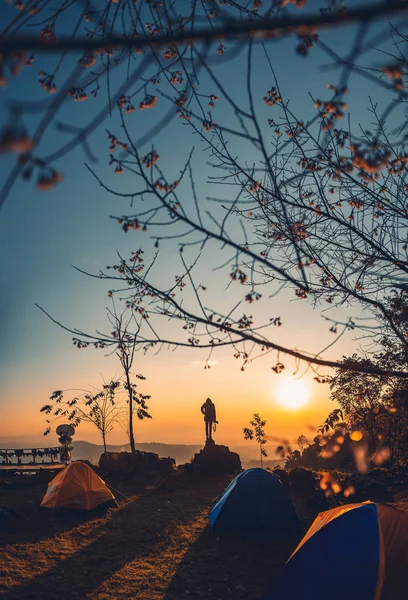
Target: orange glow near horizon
(178, 387)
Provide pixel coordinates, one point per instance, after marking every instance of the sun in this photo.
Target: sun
(292, 394)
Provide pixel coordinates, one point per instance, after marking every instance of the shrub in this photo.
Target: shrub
(367, 488)
(283, 476)
(302, 479)
(138, 465)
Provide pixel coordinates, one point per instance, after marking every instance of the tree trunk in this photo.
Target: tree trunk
(104, 442)
(131, 436)
(260, 448)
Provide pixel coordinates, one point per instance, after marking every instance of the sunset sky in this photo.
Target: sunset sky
(42, 234)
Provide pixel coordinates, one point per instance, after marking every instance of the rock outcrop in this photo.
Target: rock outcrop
(214, 460)
(128, 466)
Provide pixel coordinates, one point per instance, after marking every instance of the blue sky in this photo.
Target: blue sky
(42, 234)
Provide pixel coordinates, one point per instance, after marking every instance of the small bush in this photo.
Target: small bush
(366, 488)
(283, 476)
(302, 479)
(128, 466)
(380, 474)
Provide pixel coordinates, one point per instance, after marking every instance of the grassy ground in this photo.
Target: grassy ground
(155, 546)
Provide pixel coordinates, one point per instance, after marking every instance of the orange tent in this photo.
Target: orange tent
(77, 486)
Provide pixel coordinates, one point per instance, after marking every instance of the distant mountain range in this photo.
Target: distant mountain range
(28, 441)
(87, 451)
(181, 453)
(92, 452)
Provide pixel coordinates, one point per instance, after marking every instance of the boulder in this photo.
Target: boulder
(214, 460)
(128, 466)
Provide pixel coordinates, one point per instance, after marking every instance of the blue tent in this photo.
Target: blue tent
(254, 502)
(353, 552)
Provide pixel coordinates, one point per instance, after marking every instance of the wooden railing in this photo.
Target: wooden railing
(8, 456)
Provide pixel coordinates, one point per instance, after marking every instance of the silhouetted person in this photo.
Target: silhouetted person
(208, 410)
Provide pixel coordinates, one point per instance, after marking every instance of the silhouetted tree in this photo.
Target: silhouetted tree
(257, 432)
(137, 402)
(101, 408)
(318, 209)
(124, 345)
(334, 419)
(128, 49)
(376, 405)
(302, 442)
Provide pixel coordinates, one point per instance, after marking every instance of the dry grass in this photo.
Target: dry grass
(155, 546)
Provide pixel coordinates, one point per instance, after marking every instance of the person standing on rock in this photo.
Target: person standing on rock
(208, 410)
